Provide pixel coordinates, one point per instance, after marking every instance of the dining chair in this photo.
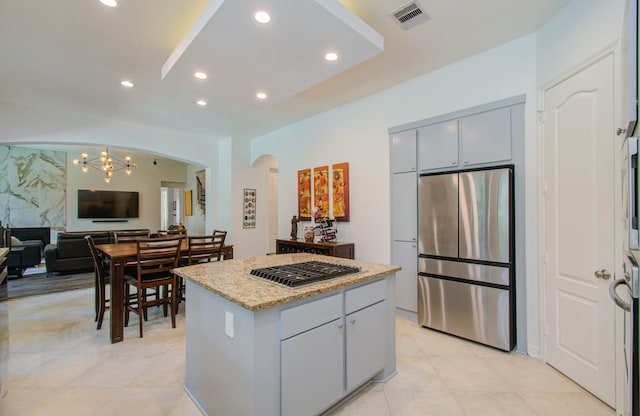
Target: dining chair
(202, 249)
(129, 236)
(220, 234)
(205, 248)
(102, 278)
(156, 259)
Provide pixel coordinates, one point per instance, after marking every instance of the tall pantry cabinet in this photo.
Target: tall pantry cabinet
(404, 217)
(488, 135)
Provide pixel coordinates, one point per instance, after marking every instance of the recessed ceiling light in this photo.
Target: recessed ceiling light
(126, 83)
(261, 95)
(200, 75)
(110, 3)
(262, 17)
(201, 103)
(331, 56)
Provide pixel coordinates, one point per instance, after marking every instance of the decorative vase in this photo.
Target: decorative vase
(309, 233)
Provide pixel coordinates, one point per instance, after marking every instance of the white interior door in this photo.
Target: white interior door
(579, 180)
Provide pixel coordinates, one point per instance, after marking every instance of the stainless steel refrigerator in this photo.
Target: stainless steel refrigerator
(466, 255)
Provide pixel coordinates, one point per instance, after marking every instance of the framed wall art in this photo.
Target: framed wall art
(304, 194)
(249, 211)
(340, 187)
(321, 191)
(188, 203)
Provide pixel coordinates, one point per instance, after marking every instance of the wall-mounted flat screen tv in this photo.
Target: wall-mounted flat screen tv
(107, 204)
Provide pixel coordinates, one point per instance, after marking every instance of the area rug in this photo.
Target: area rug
(32, 284)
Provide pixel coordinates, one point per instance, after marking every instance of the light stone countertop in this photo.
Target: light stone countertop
(232, 280)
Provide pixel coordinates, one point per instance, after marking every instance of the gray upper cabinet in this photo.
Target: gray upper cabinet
(403, 151)
(469, 141)
(486, 137)
(438, 145)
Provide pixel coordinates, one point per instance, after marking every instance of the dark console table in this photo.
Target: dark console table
(344, 250)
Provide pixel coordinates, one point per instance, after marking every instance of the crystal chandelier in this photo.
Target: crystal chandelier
(105, 163)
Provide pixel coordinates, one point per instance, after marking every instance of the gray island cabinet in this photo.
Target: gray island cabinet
(257, 348)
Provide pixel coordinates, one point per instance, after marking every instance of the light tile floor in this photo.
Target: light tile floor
(61, 365)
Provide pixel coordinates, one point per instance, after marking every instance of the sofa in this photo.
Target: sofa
(23, 254)
(71, 254)
(32, 233)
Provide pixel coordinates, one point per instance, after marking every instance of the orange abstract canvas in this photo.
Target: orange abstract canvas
(340, 186)
(321, 191)
(304, 194)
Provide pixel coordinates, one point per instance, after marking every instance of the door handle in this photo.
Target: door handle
(602, 274)
(614, 295)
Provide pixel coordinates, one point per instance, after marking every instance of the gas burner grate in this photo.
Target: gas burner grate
(299, 274)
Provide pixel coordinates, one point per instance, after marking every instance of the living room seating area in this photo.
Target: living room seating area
(26, 247)
(71, 252)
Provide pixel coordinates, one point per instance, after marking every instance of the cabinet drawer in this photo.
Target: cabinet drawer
(363, 296)
(310, 315)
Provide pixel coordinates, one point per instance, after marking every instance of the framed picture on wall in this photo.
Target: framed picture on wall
(321, 191)
(249, 210)
(188, 203)
(304, 194)
(340, 187)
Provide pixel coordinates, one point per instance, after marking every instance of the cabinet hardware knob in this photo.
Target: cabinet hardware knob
(454, 162)
(602, 274)
(466, 162)
(620, 131)
(340, 326)
(353, 321)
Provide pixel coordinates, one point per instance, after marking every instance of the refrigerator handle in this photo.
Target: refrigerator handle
(632, 192)
(616, 298)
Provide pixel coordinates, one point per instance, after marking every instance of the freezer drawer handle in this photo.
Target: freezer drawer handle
(602, 274)
(614, 295)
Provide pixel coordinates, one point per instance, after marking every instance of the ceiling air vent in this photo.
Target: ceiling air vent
(410, 15)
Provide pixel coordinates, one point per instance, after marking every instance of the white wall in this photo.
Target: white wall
(195, 223)
(53, 125)
(574, 34)
(219, 218)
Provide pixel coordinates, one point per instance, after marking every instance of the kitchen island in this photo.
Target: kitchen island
(254, 347)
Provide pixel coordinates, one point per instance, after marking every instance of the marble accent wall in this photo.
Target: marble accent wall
(32, 187)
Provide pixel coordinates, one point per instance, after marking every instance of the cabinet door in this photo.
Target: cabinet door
(366, 343)
(403, 151)
(404, 206)
(486, 137)
(312, 370)
(438, 145)
(405, 255)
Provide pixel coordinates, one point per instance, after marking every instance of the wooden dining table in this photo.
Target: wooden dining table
(119, 255)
